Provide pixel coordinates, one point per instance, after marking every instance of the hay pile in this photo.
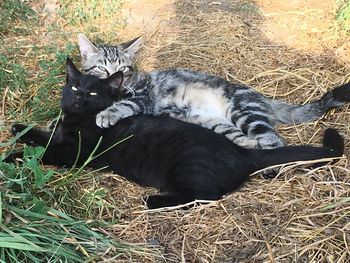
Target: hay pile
(301, 216)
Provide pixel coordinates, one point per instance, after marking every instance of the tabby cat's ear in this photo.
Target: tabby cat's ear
(86, 47)
(114, 82)
(131, 47)
(72, 72)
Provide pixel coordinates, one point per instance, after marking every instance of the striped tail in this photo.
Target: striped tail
(296, 114)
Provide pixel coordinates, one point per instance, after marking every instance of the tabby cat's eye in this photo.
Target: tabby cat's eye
(93, 93)
(122, 69)
(101, 68)
(74, 88)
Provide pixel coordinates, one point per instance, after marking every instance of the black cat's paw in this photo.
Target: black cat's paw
(26, 138)
(162, 201)
(155, 201)
(17, 128)
(13, 157)
(342, 93)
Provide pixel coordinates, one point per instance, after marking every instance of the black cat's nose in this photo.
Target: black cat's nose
(78, 99)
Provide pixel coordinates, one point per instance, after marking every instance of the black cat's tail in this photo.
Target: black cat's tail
(296, 114)
(333, 146)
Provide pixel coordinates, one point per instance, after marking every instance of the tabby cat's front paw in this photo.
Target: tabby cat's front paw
(106, 119)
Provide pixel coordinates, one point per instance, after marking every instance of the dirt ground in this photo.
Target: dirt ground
(308, 26)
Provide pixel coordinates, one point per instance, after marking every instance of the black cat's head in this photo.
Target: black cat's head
(87, 94)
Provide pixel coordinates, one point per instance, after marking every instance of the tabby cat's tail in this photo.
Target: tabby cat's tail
(295, 114)
(333, 146)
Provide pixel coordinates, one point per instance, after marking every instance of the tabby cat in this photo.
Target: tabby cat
(243, 115)
(185, 161)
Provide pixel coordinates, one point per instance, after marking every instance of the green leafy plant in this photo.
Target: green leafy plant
(32, 231)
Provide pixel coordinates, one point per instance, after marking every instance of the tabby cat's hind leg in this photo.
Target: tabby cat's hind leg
(266, 137)
(228, 129)
(258, 127)
(269, 139)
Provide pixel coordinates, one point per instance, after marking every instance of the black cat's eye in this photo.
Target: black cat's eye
(74, 88)
(93, 93)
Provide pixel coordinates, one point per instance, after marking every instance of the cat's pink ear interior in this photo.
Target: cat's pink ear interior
(72, 71)
(114, 82)
(86, 48)
(132, 47)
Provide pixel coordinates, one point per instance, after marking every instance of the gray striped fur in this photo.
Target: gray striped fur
(239, 112)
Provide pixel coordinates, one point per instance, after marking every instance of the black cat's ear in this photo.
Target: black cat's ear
(114, 82)
(72, 72)
(86, 48)
(131, 47)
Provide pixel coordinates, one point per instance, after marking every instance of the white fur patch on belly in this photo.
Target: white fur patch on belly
(200, 99)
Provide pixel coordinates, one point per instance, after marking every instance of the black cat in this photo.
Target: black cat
(185, 161)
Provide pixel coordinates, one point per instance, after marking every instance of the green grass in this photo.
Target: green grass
(25, 83)
(12, 75)
(33, 227)
(36, 237)
(28, 93)
(50, 75)
(343, 14)
(49, 214)
(11, 11)
(95, 16)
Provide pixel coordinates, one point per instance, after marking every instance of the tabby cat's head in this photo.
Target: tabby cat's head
(102, 61)
(87, 94)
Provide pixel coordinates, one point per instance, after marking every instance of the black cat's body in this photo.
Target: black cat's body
(185, 161)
